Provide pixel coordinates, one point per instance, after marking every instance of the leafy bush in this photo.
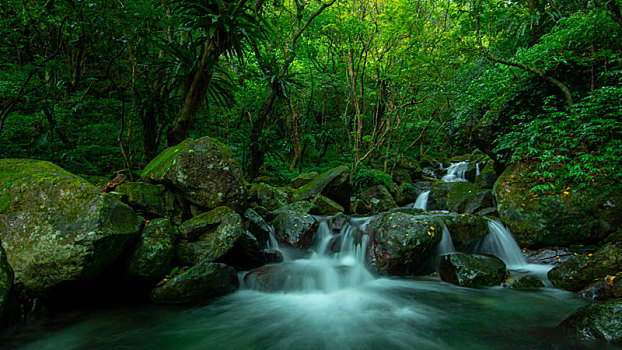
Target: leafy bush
(365, 178)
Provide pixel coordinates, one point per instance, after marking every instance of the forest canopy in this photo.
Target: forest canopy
(102, 86)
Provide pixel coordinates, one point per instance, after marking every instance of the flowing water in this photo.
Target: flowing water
(422, 200)
(456, 172)
(328, 301)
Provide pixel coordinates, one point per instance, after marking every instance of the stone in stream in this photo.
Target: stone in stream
(575, 273)
(600, 322)
(151, 200)
(597, 290)
(334, 184)
(220, 239)
(571, 216)
(464, 197)
(153, 256)
(487, 176)
(408, 193)
(257, 226)
(377, 199)
(294, 227)
(201, 282)
(472, 270)
(58, 230)
(527, 283)
(203, 171)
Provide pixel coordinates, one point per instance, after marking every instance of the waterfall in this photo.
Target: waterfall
(499, 242)
(272, 243)
(422, 200)
(446, 244)
(456, 172)
(477, 171)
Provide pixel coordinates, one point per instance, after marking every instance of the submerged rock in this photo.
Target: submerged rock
(202, 282)
(152, 200)
(575, 216)
(153, 256)
(204, 171)
(334, 184)
(575, 273)
(527, 282)
(596, 322)
(57, 228)
(472, 270)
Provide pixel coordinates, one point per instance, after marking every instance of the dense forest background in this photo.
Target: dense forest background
(292, 85)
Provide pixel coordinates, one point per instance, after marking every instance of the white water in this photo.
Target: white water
(422, 200)
(446, 245)
(272, 242)
(477, 171)
(456, 172)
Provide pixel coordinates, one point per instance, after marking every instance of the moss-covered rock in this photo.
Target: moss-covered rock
(151, 200)
(57, 228)
(228, 243)
(377, 199)
(153, 256)
(295, 227)
(472, 270)
(325, 206)
(258, 226)
(334, 184)
(402, 244)
(200, 283)
(465, 229)
(602, 322)
(464, 197)
(575, 273)
(527, 283)
(303, 179)
(576, 216)
(487, 176)
(193, 228)
(270, 197)
(6, 282)
(408, 193)
(204, 171)
(597, 290)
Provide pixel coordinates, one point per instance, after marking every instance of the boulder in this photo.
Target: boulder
(549, 256)
(203, 171)
(601, 322)
(150, 200)
(294, 227)
(334, 184)
(575, 273)
(153, 256)
(466, 229)
(202, 282)
(258, 227)
(228, 243)
(487, 176)
(598, 290)
(402, 244)
(325, 206)
(575, 216)
(527, 283)
(6, 283)
(193, 228)
(270, 197)
(377, 199)
(303, 179)
(58, 229)
(464, 197)
(472, 270)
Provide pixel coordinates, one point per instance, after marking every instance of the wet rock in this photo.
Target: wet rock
(227, 243)
(465, 229)
(616, 288)
(601, 322)
(527, 283)
(487, 176)
(153, 256)
(294, 227)
(198, 225)
(202, 282)
(598, 290)
(464, 197)
(6, 284)
(272, 256)
(402, 244)
(303, 179)
(472, 270)
(151, 200)
(549, 256)
(575, 216)
(575, 273)
(204, 171)
(57, 228)
(334, 184)
(325, 206)
(377, 199)
(270, 197)
(299, 206)
(257, 226)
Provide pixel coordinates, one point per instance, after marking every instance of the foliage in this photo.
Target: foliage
(365, 178)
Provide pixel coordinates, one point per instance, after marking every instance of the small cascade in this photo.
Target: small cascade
(272, 242)
(499, 242)
(456, 172)
(422, 200)
(477, 171)
(446, 245)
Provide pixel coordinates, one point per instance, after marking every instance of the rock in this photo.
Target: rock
(602, 322)
(202, 282)
(472, 270)
(303, 179)
(227, 243)
(616, 289)
(402, 244)
(409, 192)
(270, 197)
(198, 225)
(294, 227)
(487, 176)
(272, 256)
(464, 197)
(575, 273)
(549, 256)
(151, 200)
(334, 184)
(437, 199)
(325, 206)
(6, 284)
(598, 290)
(153, 256)
(258, 227)
(204, 171)
(576, 216)
(377, 199)
(466, 229)
(527, 283)
(58, 229)
(299, 206)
